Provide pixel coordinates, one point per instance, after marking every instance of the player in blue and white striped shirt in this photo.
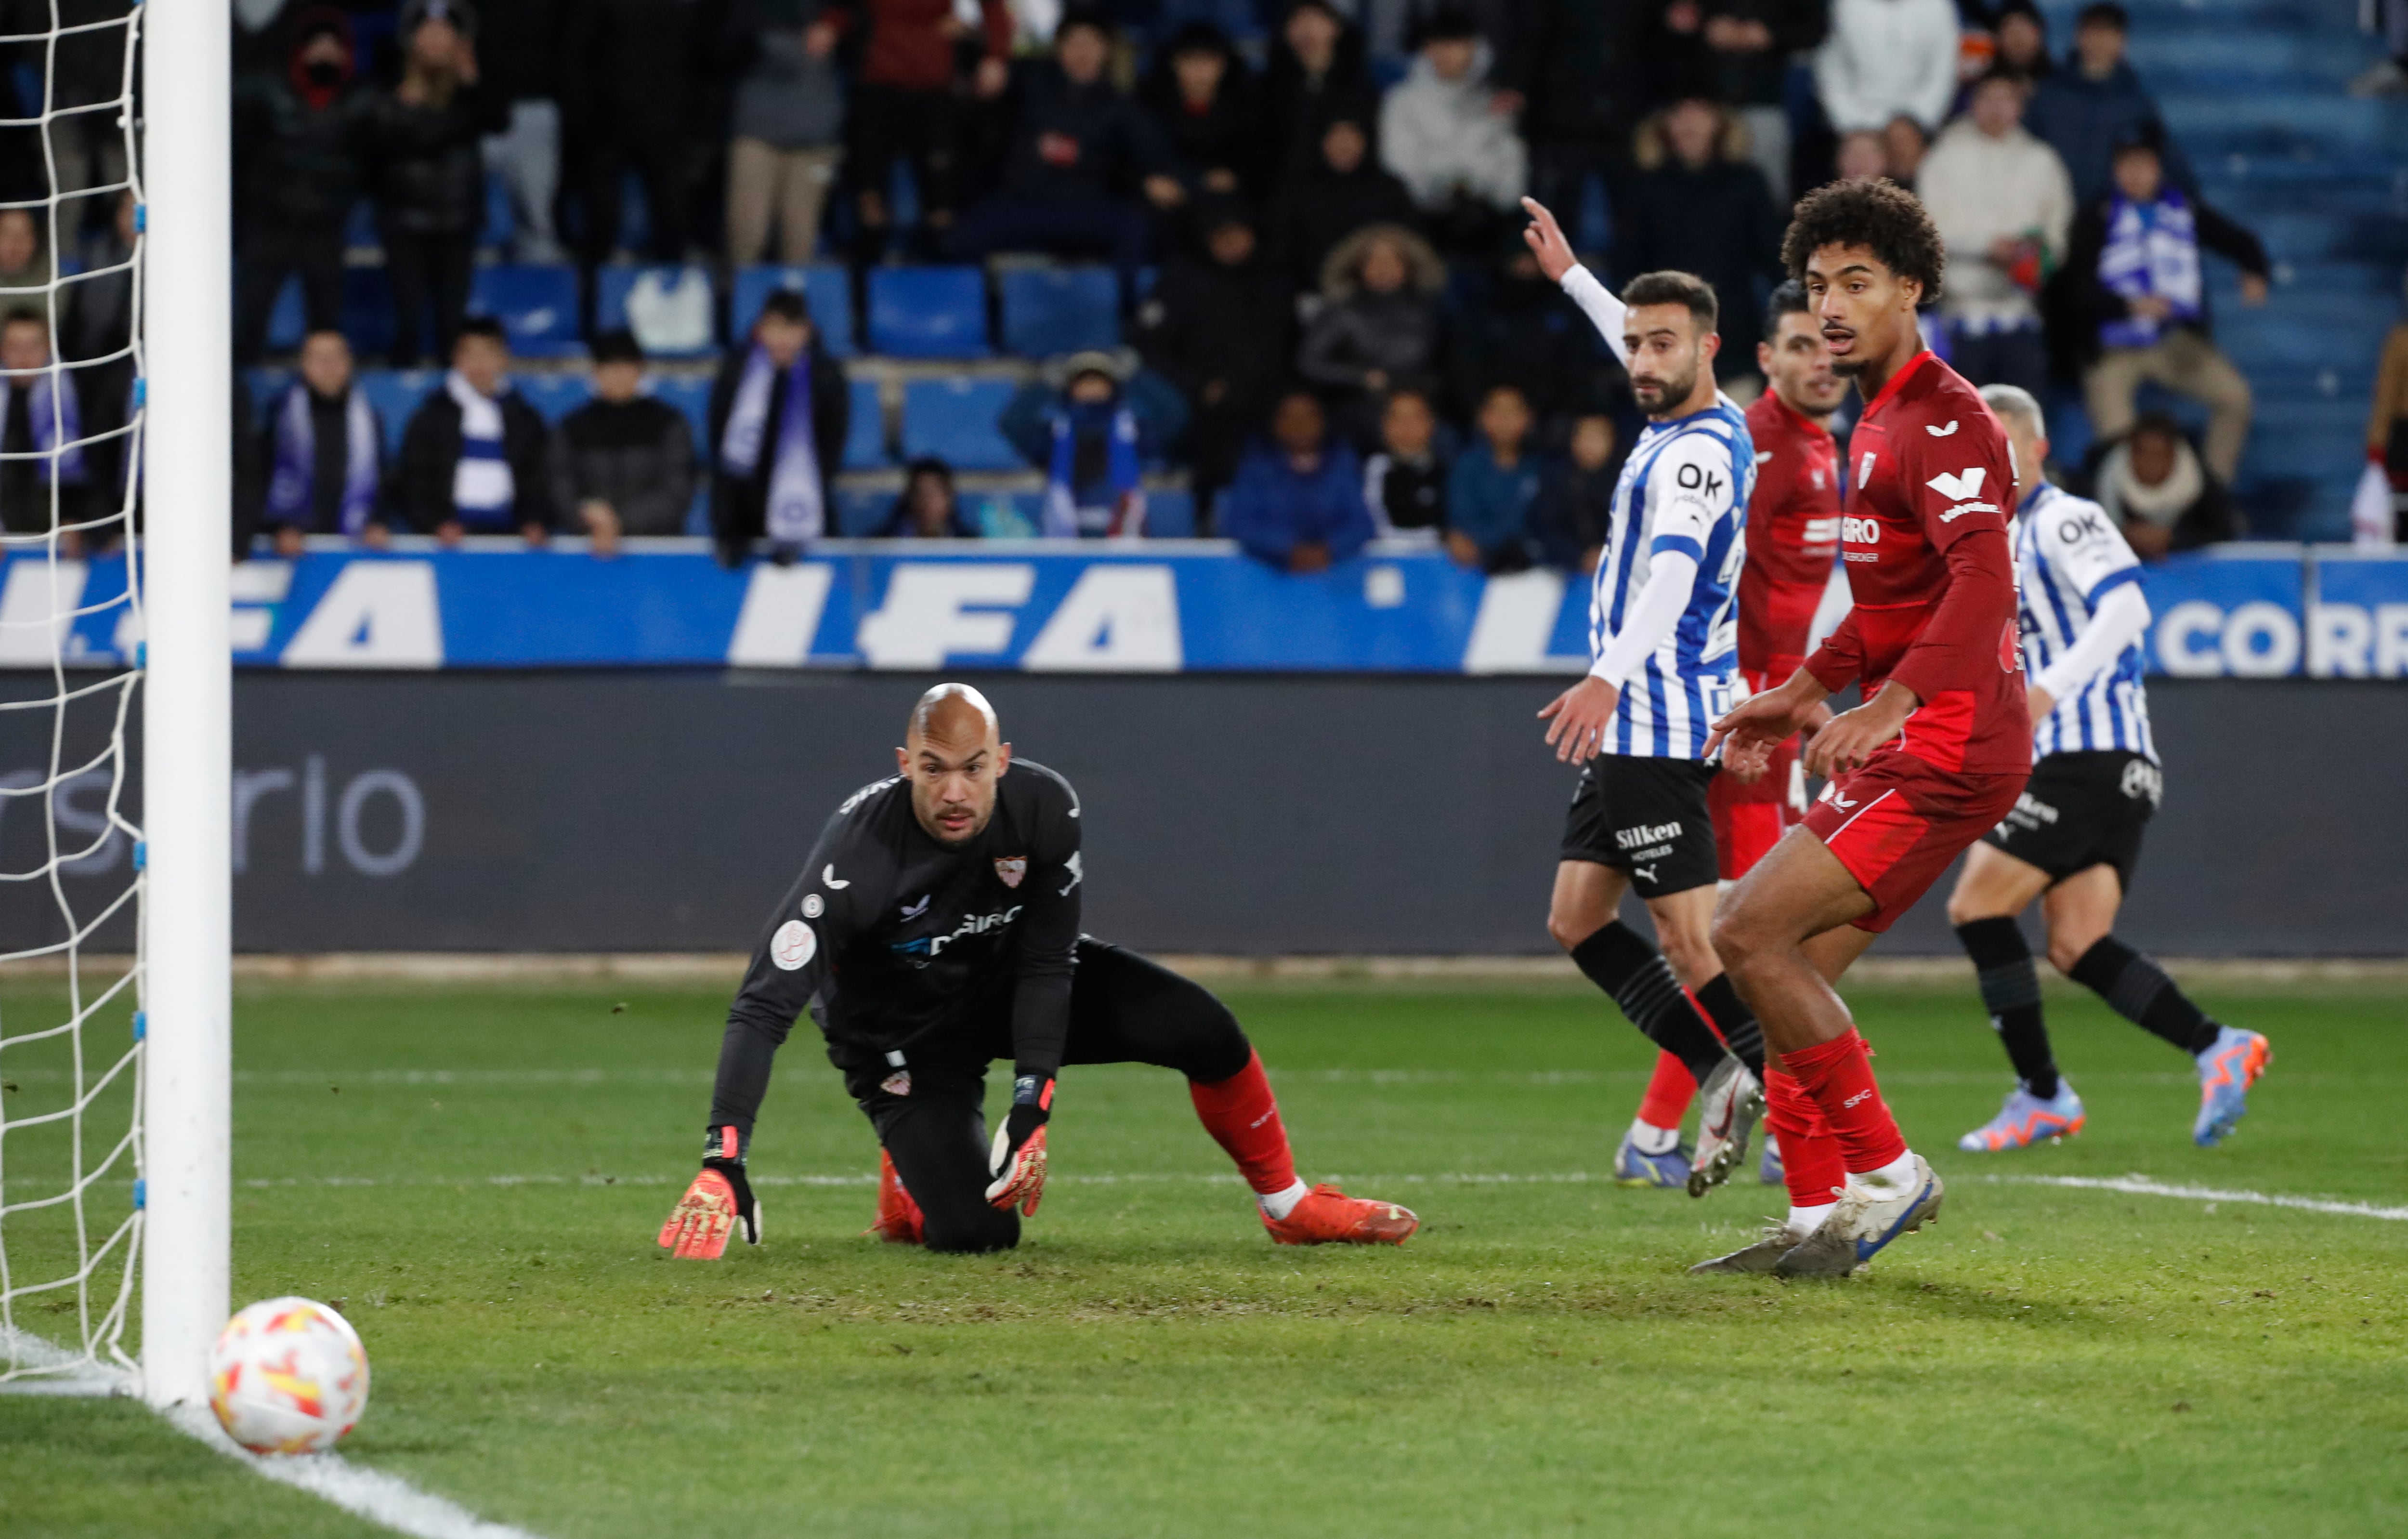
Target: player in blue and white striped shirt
(2074, 835)
(1665, 649)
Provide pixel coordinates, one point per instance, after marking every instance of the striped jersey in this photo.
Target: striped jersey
(2068, 557)
(1684, 488)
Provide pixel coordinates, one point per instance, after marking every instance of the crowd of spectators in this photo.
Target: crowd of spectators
(1333, 330)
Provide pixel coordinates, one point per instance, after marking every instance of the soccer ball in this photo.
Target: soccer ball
(288, 1376)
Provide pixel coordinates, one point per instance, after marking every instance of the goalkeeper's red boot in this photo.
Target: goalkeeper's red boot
(1328, 1216)
(898, 1217)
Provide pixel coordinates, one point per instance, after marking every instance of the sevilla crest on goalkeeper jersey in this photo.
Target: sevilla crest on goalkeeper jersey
(1685, 488)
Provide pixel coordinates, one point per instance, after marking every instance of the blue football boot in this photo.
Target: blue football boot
(1633, 1168)
(2226, 1073)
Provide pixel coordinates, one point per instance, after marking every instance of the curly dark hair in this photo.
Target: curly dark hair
(1882, 217)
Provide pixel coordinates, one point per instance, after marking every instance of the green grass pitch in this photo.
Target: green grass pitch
(475, 1176)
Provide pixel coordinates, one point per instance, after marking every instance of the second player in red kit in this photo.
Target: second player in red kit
(1939, 751)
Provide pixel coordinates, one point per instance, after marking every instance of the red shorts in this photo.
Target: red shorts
(1749, 820)
(1897, 823)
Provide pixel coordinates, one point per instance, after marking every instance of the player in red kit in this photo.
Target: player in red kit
(1793, 538)
(1939, 749)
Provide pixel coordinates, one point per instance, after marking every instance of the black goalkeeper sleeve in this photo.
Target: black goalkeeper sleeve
(1048, 955)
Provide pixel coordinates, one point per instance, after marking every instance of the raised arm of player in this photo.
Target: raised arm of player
(1545, 238)
(1040, 1002)
(810, 927)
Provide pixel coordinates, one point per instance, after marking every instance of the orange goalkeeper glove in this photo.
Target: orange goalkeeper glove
(1018, 1160)
(720, 1199)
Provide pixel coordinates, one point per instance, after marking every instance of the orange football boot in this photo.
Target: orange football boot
(1329, 1216)
(899, 1222)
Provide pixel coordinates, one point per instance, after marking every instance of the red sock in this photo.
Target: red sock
(1809, 1156)
(1242, 1116)
(1838, 1076)
(1668, 1090)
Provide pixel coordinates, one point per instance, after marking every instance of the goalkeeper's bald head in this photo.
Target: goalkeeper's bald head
(952, 754)
(954, 714)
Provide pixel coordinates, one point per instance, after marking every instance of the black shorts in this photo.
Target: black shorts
(1646, 818)
(2082, 810)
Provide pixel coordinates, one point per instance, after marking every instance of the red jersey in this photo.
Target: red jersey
(1793, 537)
(1925, 537)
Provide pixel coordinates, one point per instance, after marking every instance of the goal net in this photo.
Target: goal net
(72, 853)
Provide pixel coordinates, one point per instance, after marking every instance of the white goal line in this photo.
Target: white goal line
(2141, 1186)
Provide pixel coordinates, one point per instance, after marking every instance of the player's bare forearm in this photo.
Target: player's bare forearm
(1853, 736)
(1577, 720)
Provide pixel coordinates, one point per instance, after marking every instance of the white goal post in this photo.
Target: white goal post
(188, 698)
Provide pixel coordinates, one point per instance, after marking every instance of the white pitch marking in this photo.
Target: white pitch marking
(372, 1494)
(2142, 1185)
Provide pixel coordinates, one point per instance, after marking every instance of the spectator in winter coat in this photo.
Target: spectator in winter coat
(928, 508)
(430, 175)
(632, 76)
(1887, 58)
(907, 103)
(627, 459)
(1441, 134)
(1578, 63)
(1091, 438)
(1575, 502)
(1221, 330)
(2140, 291)
(778, 410)
(1699, 207)
(1316, 76)
(521, 56)
(1083, 164)
(300, 148)
(1404, 481)
(322, 450)
(476, 458)
(1744, 65)
(84, 67)
(1530, 335)
(2004, 208)
(1492, 487)
(1340, 192)
(44, 481)
(1202, 98)
(783, 146)
(2096, 103)
(1380, 326)
(1298, 501)
(97, 333)
(2153, 485)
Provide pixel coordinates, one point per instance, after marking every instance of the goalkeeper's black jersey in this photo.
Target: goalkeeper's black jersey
(889, 937)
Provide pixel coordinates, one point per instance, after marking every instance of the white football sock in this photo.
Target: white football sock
(1649, 1139)
(1899, 1173)
(1280, 1204)
(1807, 1220)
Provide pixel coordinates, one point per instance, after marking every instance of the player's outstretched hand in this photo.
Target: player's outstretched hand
(720, 1200)
(1749, 732)
(1851, 735)
(1546, 238)
(1579, 717)
(1018, 1159)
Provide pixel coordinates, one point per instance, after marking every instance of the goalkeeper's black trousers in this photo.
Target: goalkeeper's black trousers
(928, 1110)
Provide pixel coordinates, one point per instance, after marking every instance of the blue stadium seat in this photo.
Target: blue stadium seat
(928, 312)
(691, 395)
(536, 303)
(616, 283)
(501, 220)
(287, 323)
(955, 420)
(367, 310)
(828, 287)
(860, 511)
(1170, 514)
(1053, 311)
(265, 385)
(554, 395)
(865, 441)
(395, 393)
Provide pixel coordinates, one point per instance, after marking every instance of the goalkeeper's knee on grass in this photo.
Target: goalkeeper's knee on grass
(718, 1204)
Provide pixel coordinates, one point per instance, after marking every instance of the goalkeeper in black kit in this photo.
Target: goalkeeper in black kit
(935, 929)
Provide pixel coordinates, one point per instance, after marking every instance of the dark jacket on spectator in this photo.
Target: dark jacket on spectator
(1406, 497)
(1027, 422)
(518, 48)
(299, 164)
(2083, 304)
(1115, 145)
(636, 455)
(1317, 207)
(738, 508)
(430, 453)
(638, 68)
(1491, 504)
(1528, 335)
(1574, 61)
(1755, 79)
(1228, 135)
(1716, 220)
(1397, 334)
(1206, 323)
(1574, 507)
(330, 439)
(85, 67)
(2083, 120)
(1272, 507)
(1297, 106)
(429, 165)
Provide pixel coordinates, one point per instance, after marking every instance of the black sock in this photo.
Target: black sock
(1635, 973)
(2003, 961)
(2139, 990)
(1735, 1022)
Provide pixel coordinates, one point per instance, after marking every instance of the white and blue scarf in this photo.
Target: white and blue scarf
(1064, 516)
(483, 489)
(296, 461)
(2152, 249)
(58, 427)
(797, 511)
